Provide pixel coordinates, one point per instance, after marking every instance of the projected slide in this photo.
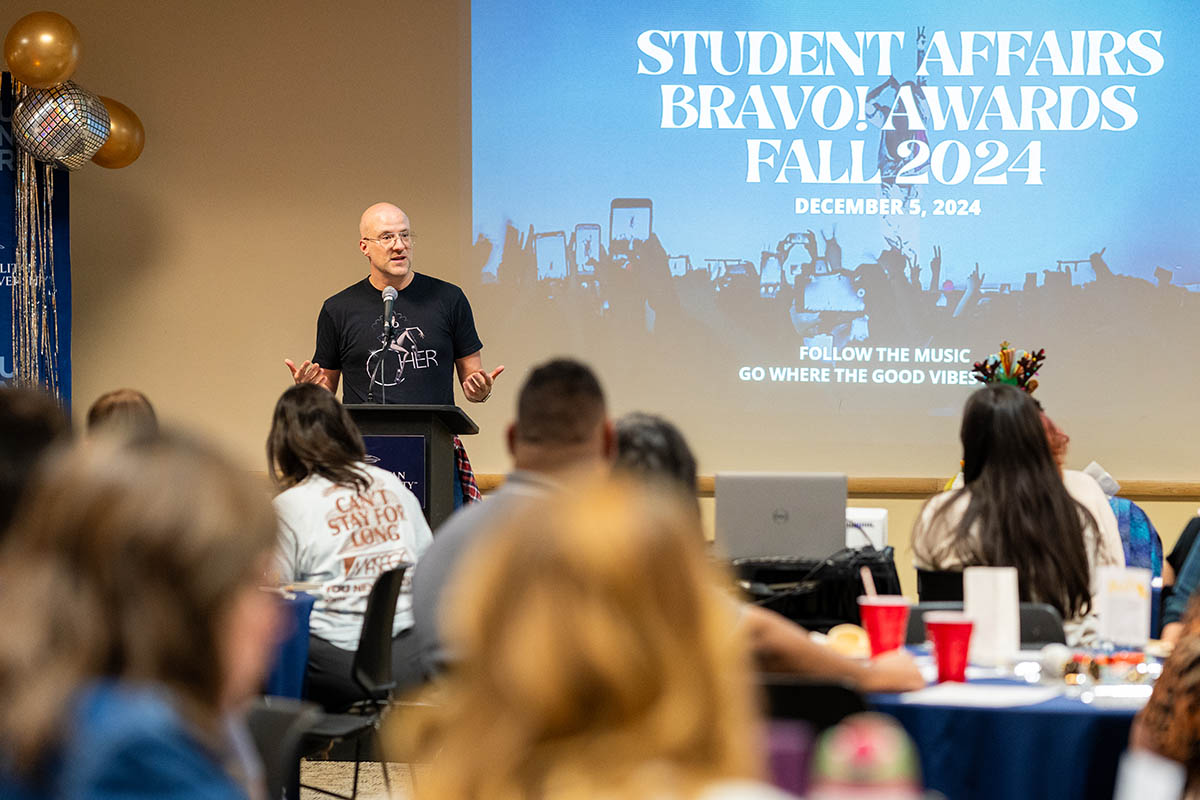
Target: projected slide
(819, 207)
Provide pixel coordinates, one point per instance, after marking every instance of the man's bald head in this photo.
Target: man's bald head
(386, 241)
(378, 217)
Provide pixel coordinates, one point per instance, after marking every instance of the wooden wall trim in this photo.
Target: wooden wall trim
(919, 488)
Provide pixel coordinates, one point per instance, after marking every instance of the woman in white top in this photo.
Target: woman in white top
(1014, 510)
(341, 524)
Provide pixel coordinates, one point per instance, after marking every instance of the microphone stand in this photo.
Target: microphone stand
(389, 295)
(377, 373)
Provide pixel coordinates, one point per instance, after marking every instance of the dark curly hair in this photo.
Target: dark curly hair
(649, 445)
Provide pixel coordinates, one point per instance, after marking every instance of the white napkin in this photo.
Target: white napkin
(979, 695)
(990, 599)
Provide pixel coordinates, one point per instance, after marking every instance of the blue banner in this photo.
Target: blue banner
(8, 243)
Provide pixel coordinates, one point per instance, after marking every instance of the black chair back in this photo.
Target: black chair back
(822, 704)
(372, 669)
(934, 586)
(277, 725)
(916, 619)
(1041, 624)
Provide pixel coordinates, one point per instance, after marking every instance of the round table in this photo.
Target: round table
(1062, 748)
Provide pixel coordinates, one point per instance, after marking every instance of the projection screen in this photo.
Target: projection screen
(793, 227)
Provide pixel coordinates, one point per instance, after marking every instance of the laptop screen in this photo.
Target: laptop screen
(780, 514)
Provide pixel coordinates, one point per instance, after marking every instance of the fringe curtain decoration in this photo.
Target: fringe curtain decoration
(34, 295)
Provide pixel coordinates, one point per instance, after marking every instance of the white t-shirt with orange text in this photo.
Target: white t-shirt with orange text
(343, 539)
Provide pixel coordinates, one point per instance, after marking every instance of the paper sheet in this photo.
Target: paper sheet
(980, 695)
(1131, 696)
(928, 668)
(1124, 605)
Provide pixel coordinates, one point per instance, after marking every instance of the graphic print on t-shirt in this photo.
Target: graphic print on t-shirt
(389, 364)
(368, 525)
(434, 327)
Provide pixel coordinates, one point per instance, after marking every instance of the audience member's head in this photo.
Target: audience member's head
(30, 422)
(1058, 440)
(133, 559)
(650, 446)
(124, 410)
(1169, 723)
(1002, 433)
(1019, 513)
(562, 420)
(596, 658)
(866, 755)
(312, 434)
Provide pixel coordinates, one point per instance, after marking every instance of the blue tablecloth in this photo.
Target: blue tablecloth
(1060, 749)
(286, 678)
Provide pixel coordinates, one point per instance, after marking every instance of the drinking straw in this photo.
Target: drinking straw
(868, 580)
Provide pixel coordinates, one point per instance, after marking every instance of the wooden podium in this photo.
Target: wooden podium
(417, 443)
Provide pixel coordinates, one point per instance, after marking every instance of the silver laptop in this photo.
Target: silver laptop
(780, 514)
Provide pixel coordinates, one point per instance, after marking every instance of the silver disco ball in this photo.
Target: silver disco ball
(64, 125)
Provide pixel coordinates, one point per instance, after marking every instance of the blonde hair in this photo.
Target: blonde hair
(596, 658)
(123, 558)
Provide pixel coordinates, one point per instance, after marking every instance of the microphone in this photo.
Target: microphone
(389, 298)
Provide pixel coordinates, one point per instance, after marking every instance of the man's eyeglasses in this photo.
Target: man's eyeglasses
(388, 239)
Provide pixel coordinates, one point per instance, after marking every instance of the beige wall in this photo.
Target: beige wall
(270, 125)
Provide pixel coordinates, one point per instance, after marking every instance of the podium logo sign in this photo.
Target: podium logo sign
(403, 456)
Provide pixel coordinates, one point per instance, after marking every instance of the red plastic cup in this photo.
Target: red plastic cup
(950, 632)
(885, 618)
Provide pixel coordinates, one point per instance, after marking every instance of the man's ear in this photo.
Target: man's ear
(363, 245)
(510, 437)
(610, 440)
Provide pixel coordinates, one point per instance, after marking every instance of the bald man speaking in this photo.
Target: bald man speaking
(430, 337)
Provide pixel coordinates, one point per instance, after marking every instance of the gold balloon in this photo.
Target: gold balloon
(42, 49)
(126, 136)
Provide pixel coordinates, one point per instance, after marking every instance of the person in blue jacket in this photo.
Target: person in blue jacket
(133, 626)
(1182, 595)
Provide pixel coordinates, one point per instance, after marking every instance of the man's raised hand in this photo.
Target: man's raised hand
(478, 385)
(308, 372)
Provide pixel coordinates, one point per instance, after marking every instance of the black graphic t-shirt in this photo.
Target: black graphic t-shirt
(433, 326)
